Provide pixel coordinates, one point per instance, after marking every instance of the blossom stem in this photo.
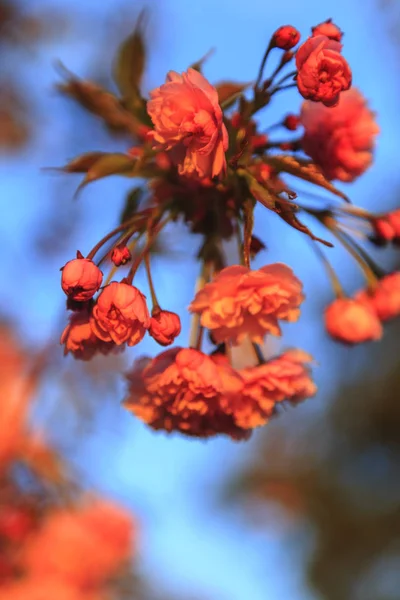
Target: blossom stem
(262, 66)
(336, 285)
(354, 211)
(150, 280)
(152, 233)
(280, 88)
(286, 77)
(239, 243)
(195, 326)
(376, 269)
(278, 69)
(200, 334)
(114, 232)
(369, 274)
(259, 354)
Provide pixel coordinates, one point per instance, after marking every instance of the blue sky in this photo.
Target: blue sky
(172, 483)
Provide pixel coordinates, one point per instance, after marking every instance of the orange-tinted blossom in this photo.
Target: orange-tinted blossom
(165, 326)
(181, 389)
(384, 300)
(240, 302)
(80, 279)
(120, 314)
(17, 387)
(352, 322)
(188, 121)
(329, 29)
(323, 73)
(340, 140)
(38, 588)
(84, 546)
(78, 338)
(285, 377)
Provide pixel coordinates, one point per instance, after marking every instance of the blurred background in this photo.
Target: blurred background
(309, 508)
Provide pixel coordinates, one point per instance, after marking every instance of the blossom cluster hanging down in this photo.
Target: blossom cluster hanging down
(205, 162)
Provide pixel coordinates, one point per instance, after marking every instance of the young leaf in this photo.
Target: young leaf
(106, 165)
(303, 169)
(130, 61)
(288, 214)
(82, 163)
(229, 91)
(198, 65)
(101, 103)
(260, 193)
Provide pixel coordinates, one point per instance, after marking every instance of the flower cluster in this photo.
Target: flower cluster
(206, 162)
(56, 542)
(185, 390)
(72, 553)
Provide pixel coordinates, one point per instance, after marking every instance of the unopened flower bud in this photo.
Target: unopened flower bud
(394, 220)
(329, 29)
(165, 326)
(384, 300)
(383, 231)
(352, 322)
(291, 122)
(286, 37)
(81, 279)
(120, 255)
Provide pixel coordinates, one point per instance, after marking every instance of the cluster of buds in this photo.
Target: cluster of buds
(117, 317)
(206, 162)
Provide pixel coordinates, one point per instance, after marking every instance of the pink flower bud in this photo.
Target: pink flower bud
(286, 37)
(120, 255)
(291, 122)
(81, 279)
(329, 29)
(165, 326)
(352, 322)
(394, 220)
(383, 230)
(384, 300)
